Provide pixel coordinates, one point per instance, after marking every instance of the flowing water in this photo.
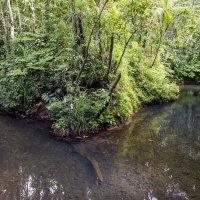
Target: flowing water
(155, 157)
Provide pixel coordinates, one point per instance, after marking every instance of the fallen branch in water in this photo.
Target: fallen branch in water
(81, 151)
(96, 167)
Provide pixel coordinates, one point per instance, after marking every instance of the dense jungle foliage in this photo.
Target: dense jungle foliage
(92, 63)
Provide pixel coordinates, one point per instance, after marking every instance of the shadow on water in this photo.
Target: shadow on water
(156, 157)
(35, 166)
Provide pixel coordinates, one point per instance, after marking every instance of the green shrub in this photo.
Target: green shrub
(139, 85)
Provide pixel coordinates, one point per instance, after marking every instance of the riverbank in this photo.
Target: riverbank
(43, 115)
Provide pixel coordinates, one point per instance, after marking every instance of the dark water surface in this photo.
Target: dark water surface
(156, 157)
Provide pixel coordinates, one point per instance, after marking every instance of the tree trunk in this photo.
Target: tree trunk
(110, 94)
(157, 51)
(162, 33)
(12, 27)
(124, 50)
(99, 35)
(99, 42)
(46, 15)
(87, 48)
(75, 29)
(4, 31)
(19, 17)
(2, 18)
(32, 15)
(110, 56)
(80, 36)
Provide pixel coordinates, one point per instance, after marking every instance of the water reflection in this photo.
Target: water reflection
(35, 166)
(168, 136)
(156, 157)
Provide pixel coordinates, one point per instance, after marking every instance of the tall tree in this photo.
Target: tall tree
(19, 17)
(12, 27)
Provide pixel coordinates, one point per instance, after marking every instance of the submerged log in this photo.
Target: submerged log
(96, 167)
(81, 150)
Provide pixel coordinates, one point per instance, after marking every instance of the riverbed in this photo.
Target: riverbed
(155, 157)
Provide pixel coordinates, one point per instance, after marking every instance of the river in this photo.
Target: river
(155, 157)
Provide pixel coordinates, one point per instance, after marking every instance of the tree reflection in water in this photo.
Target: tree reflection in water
(156, 157)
